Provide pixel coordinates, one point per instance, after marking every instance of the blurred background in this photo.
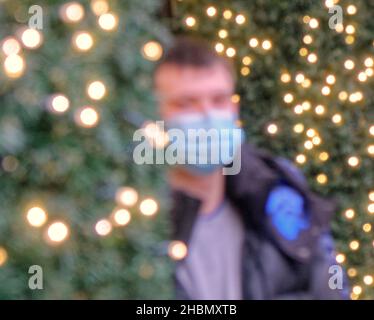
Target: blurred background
(75, 82)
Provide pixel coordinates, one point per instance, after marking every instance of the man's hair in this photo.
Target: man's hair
(194, 52)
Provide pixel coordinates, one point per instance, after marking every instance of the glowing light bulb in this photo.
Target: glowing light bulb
(285, 77)
(3, 256)
(148, 207)
(266, 45)
(190, 22)
(99, 7)
(326, 90)
(240, 19)
(227, 14)
(223, 33)
(152, 51)
(353, 161)
(349, 29)
(96, 90)
(31, 38)
(103, 227)
(351, 9)
(324, 156)
(300, 158)
(298, 128)
(211, 11)
(72, 12)
(288, 98)
(337, 118)
(36, 217)
(58, 103)
(14, 66)
(57, 232)
(272, 128)
(126, 196)
(369, 62)
(313, 23)
(330, 79)
(177, 250)
(349, 214)
(253, 42)
(320, 109)
(299, 78)
(368, 280)
(366, 227)
(349, 64)
(340, 258)
(307, 39)
(312, 58)
(230, 52)
(108, 21)
(354, 245)
(87, 117)
(10, 45)
(121, 217)
(322, 178)
(82, 41)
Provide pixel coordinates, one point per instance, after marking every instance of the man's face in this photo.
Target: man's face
(188, 89)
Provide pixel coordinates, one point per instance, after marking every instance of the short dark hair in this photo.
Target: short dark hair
(195, 52)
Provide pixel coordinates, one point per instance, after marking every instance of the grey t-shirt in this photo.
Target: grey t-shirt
(212, 268)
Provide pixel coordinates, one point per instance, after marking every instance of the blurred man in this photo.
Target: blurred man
(258, 233)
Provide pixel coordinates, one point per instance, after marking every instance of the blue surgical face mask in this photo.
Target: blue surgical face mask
(211, 138)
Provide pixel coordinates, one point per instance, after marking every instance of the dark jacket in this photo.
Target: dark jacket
(273, 267)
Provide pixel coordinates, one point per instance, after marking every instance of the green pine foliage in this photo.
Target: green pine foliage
(73, 172)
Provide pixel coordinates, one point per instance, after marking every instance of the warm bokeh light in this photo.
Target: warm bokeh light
(152, 51)
(103, 227)
(72, 12)
(14, 66)
(31, 38)
(126, 196)
(121, 217)
(177, 250)
(87, 117)
(148, 207)
(57, 232)
(82, 41)
(3, 256)
(58, 103)
(10, 45)
(99, 7)
(36, 217)
(108, 21)
(96, 90)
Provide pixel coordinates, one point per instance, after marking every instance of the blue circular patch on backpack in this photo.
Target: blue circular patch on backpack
(286, 209)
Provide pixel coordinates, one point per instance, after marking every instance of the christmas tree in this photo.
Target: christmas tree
(70, 193)
(76, 83)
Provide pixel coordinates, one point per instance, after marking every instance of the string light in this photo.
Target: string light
(366, 227)
(31, 38)
(353, 161)
(152, 51)
(354, 245)
(72, 12)
(369, 62)
(313, 23)
(343, 95)
(298, 109)
(322, 178)
(96, 90)
(340, 258)
(368, 280)
(57, 232)
(235, 98)
(177, 250)
(303, 52)
(58, 103)
(266, 45)
(339, 28)
(156, 136)
(121, 217)
(253, 42)
(330, 79)
(211, 11)
(285, 77)
(14, 66)
(126, 196)
(320, 109)
(247, 60)
(351, 9)
(349, 64)
(299, 78)
(349, 29)
(108, 21)
(324, 156)
(312, 58)
(219, 47)
(82, 41)
(240, 19)
(227, 14)
(326, 90)
(288, 98)
(103, 227)
(337, 118)
(230, 52)
(36, 217)
(87, 117)
(298, 128)
(300, 158)
(99, 7)
(349, 214)
(148, 207)
(223, 33)
(362, 76)
(10, 45)
(245, 71)
(352, 272)
(190, 22)
(308, 39)
(3, 256)
(272, 129)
